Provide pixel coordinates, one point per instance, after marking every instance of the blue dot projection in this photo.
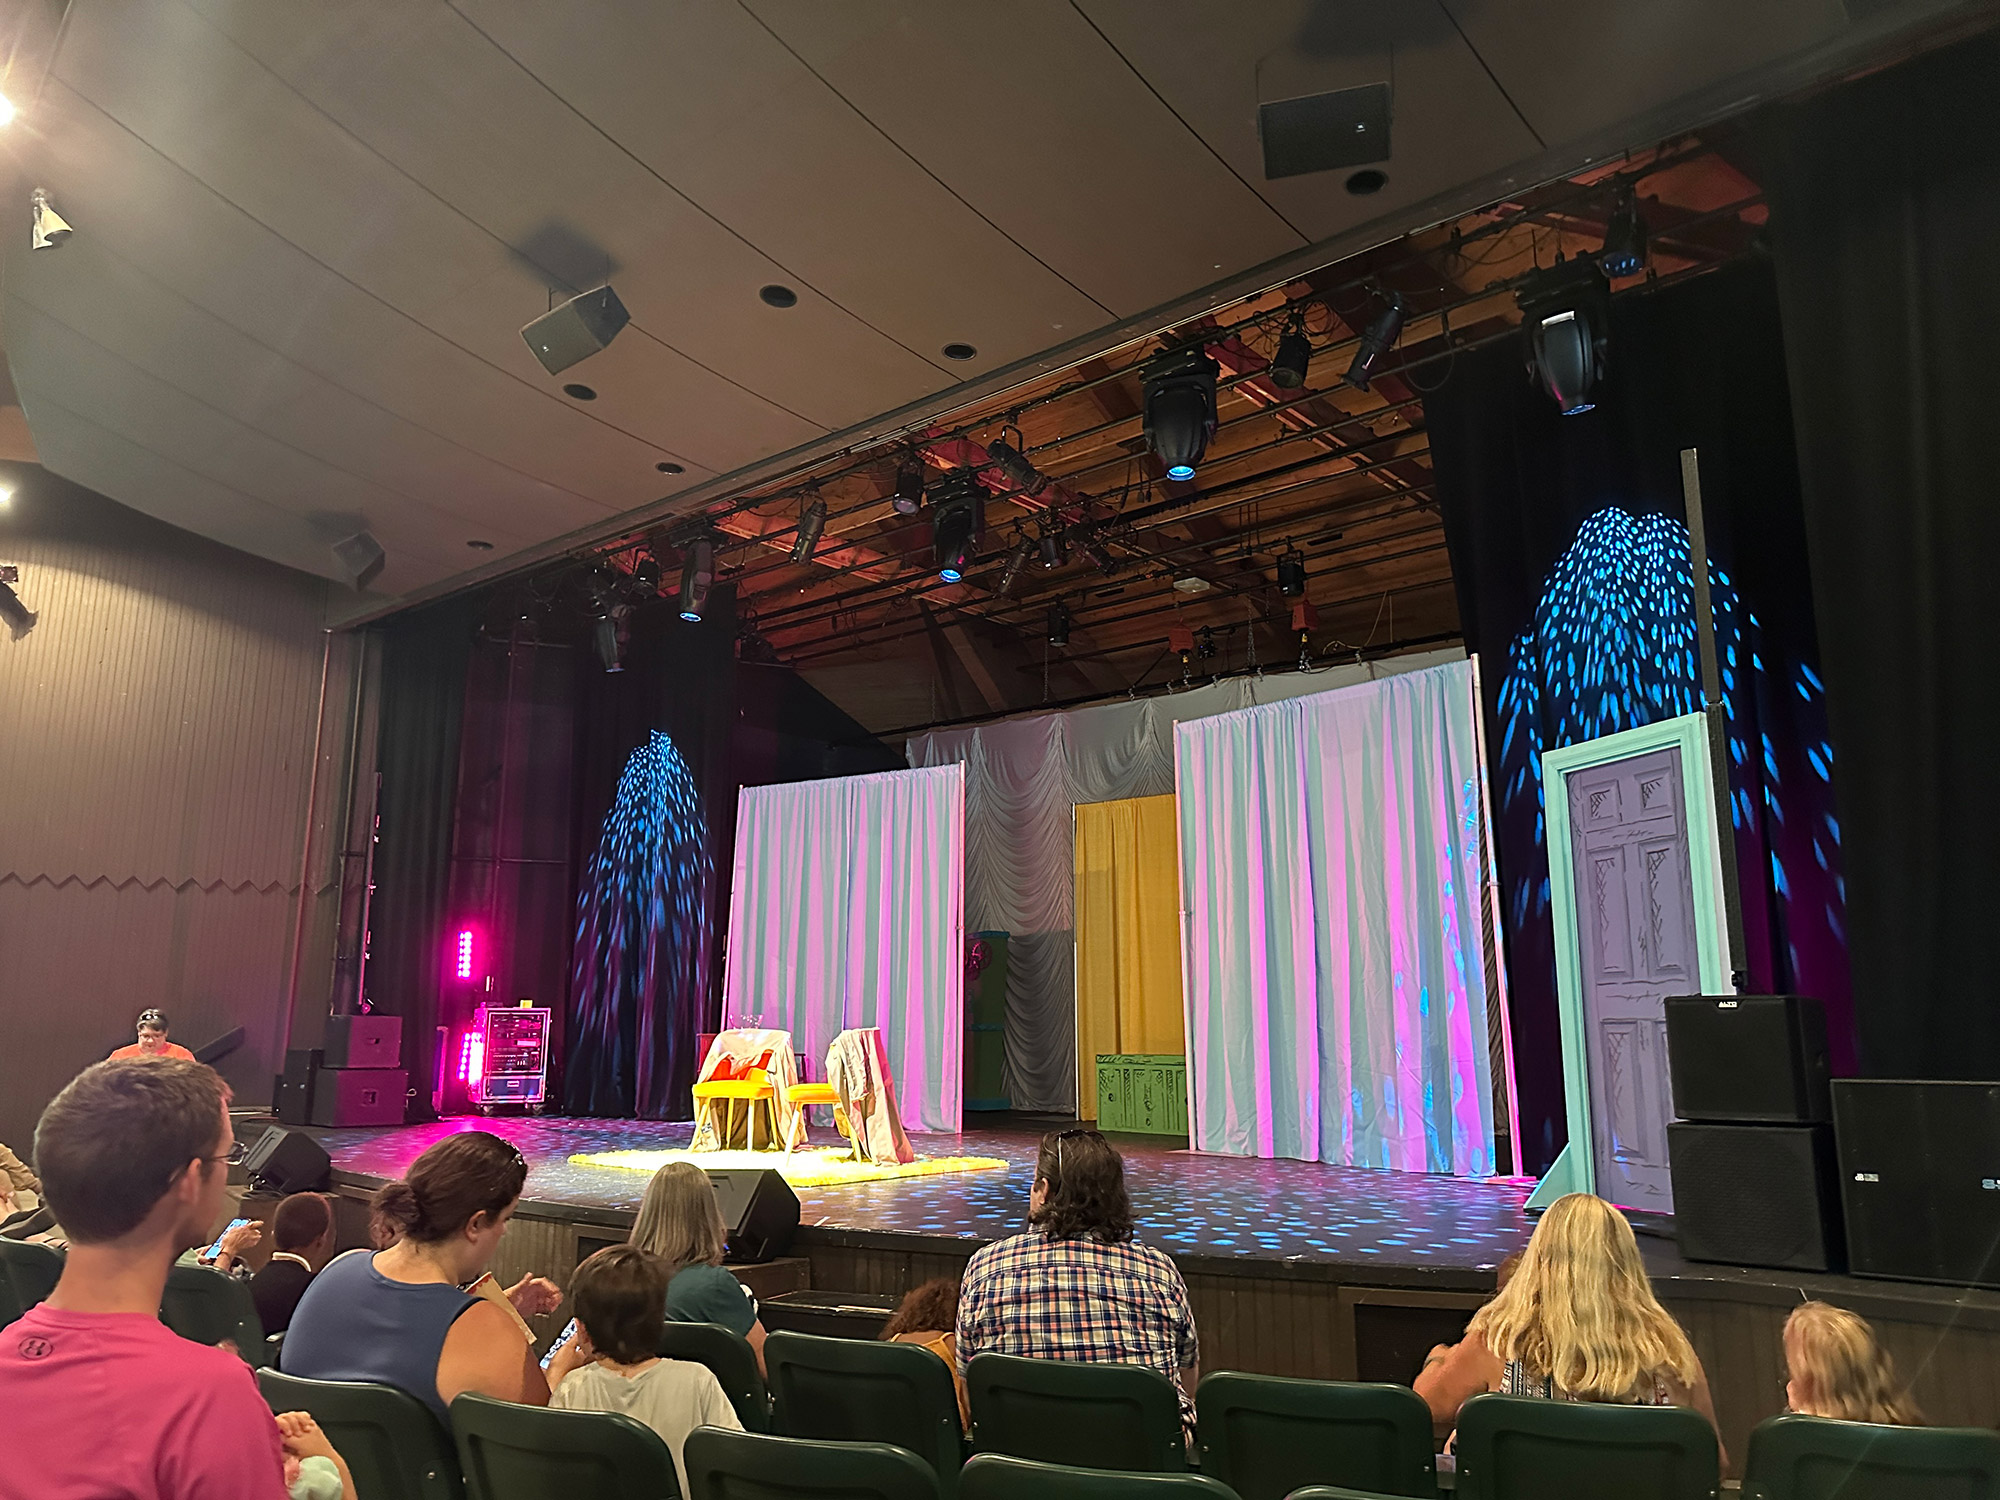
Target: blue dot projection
(642, 936)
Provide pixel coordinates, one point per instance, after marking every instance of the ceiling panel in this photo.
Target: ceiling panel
(1025, 112)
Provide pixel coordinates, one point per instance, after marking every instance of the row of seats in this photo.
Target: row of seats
(198, 1303)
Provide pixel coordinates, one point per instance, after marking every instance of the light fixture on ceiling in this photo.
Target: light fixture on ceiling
(1294, 356)
(1017, 559)
(604, 637)
(648, 575)
(1192, 583)
(1059, 624)
(1101, 556)
(1376, 340)
(1292, 573)
(1054, 551)
(50, 228)
(697, 577)
(812, 521)
(6, 110)
(908, 496)
(778, 295)
(1180, 408)
(1010, 460)
(480, 544)
(6, 496)
(958, 515)
(1565, 322)
(1624, 252)
(959, 351)
(668, 466)
(576, 329)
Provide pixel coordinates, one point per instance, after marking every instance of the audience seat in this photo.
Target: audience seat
(1092, 1416)
(511, 1452)
(209, 1308)
(1265, 1436)
(851, 1390)
(733, 1361)
(28, 1273)
(1521, 1448)
(394, 1446)
(1812, 1458)
(996, 1476)
(725, 1465)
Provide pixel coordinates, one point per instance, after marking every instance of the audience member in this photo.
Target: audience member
(152, 1040)
(20, 1188)
(613, 1364)
(928, 1317)
(401, 1316)
(680, 1222)
(1838, 1369)
(302, 1234)
(1454, 1373)
(313, 1469)
(100, 1397)
(1077, 1285)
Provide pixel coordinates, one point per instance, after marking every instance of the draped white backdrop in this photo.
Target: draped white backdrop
(1023, 779)
(847, 909)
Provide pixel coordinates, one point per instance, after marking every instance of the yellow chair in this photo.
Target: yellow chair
(752, 1089)
(801, 1095)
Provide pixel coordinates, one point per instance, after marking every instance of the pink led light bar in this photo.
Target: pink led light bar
(464, 968)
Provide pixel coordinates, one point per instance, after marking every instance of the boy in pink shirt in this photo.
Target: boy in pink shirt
(102, 1399)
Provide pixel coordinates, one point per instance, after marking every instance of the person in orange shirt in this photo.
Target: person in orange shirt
(152, 1040)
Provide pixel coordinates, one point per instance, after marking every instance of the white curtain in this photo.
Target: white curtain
(1334, 926)
(847, 909)
(1024, 777)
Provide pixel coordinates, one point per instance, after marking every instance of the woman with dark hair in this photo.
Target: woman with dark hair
(1077, 1285)
(402, 1315)
(928, 1317)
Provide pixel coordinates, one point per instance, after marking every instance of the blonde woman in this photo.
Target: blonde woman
(1838, 1370)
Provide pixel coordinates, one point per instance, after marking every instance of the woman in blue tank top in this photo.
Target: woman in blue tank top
(398, 1317)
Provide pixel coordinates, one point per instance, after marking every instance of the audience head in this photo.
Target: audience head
(679, 1220)
(1580, 1310)
(302, 1224)
(1079, 1190)
(930, 1308)
(455, 1199)
(620, 1297)
(133, 1147)
(152, 1030)
(1838, 1369)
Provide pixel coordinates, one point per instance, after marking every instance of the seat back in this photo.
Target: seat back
(723, 1465)
(1091, 1416)
(511, 1452)
(394, 1446)
(1517, 1447)
(1265, 1436)
(210, 1307)
(28, 1273)
(877, 1393)
(996, 1476)
(1812, 1458)
(734, 1363)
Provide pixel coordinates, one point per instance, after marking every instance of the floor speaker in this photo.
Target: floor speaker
(360, 1096)
(1920, 1178)
(1756, 1195)
(1748, 1057)
(287, 1161)
(364, 1041)
(759, 1209)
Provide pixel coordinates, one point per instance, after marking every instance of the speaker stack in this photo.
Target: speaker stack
(1752, 1154)
(358, 1080)
(1920, 1178)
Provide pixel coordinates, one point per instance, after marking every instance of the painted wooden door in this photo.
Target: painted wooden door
(1636, 934)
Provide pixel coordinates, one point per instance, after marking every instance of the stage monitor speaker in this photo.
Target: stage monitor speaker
(364, 1041)
(577, 329)
(360, 1096)
(292, 1103)
(1756, 1195)
(1920, 1179)
(1748, 1057)
(760, 1211)
(287, 1161)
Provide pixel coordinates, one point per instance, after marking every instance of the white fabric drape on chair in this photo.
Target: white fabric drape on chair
(1024, 777)
(1330, 874)
(847, 909)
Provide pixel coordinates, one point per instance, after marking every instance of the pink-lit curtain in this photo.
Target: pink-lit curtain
(1330, 864)
(847, 909)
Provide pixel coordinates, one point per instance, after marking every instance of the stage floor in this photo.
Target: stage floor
(1393, 1224)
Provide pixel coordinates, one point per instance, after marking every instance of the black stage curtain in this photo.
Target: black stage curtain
(1885, 220)
(1569, 553)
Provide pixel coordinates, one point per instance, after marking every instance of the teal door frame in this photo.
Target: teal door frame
(1575, 1170)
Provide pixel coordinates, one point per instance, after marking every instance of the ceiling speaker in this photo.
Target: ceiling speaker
(360, 557)
(1320, 132)
(577, 329)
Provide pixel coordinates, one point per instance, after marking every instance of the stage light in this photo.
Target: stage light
(6, 110)
(648, 575)
(697, 576)
(1292, 573)
(908, 498)
(1100, 556)
(1054, 552)
(462, 954)
(1294, 357)
(1012, 462)
(1624, 252)
(604, 637)
(1565, 318)
(1376, 340)
(1180, 409)
(1017, 559)
(50, 229)
(812, 521)
(958, 515)
(1059, 624)
(472, 1059)
(6, 496)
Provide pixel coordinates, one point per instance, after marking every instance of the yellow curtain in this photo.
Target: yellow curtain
(1128, 936)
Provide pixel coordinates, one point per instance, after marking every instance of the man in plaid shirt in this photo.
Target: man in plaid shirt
(1077, 1285)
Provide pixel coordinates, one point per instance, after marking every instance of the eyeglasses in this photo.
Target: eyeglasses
(233, 1157)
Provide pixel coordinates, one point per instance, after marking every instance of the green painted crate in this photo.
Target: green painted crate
(1142, 1095)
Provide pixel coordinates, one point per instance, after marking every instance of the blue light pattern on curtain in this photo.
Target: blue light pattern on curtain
(1330, 865)
(641, 934)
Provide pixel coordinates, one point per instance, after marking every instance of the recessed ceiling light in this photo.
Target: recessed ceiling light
(776, 295)
(960, 351)
(1367, 181)
(667, 467)
(478, 546)
(6, 110)
(580, 391)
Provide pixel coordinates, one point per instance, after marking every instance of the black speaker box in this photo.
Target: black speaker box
(760, 1211)
(287, 1161)
(577, 329)
(1748, 1057)
(292, 1103)
(364, 1041)
(360, 1096)
(1920, 1178)
(1756, 1195)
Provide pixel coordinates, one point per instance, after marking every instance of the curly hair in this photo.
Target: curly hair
(1086, 1198)
(930, 1308)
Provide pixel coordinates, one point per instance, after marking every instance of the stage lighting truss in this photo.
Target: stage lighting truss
(1180, 409)
(697, 577)
(958, 516)
(1565, 326)
(1377, 339)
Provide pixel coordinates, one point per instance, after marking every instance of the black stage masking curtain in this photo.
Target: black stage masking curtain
(655, 824)
(1885, 226)
(1569, 551)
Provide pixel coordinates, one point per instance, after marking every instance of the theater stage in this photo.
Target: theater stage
(1294, 1268)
